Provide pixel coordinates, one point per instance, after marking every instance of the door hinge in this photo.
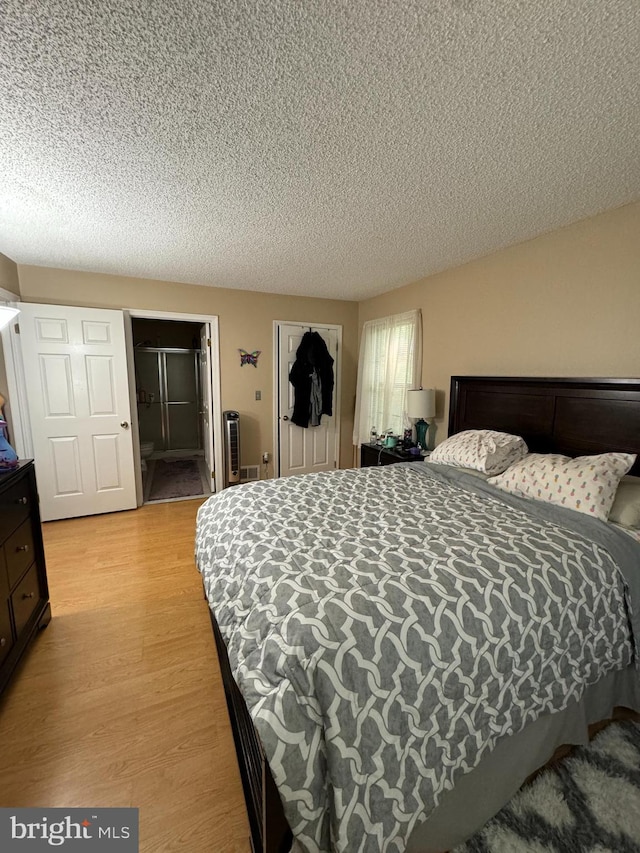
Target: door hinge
(16, 328)
(208, 342)
(213, 475)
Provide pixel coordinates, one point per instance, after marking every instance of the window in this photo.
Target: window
(389, 365)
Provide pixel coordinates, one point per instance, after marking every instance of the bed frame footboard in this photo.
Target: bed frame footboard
(270, 832)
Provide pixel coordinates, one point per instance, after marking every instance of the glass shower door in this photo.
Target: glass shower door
(148, 386)
(182, 400)
(167, 383)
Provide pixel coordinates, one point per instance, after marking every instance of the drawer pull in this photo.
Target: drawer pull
(22, 548)
(23, 501)
(3, 642)
(27, 595)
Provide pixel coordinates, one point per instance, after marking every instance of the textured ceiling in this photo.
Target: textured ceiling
(327, 148)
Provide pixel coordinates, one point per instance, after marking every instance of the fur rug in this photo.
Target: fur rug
(587, 803)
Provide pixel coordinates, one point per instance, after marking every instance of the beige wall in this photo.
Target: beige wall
(8, 281)
(8, 274)
(246, 320)
(564, 304)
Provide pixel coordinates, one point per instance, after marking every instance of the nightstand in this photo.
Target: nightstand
(375, 454)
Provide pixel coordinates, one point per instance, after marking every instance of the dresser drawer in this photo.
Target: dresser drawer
(24, 594)
(6, 640)
(19, 551)
(25, 598)
(15, 506)
(4, 578)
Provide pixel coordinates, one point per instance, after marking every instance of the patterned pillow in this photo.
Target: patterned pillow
(482, 449)
(587, 484)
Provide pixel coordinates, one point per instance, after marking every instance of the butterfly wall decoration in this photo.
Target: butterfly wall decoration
(249, 357)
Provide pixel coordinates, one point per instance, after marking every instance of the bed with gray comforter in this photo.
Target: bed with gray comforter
(388, 627)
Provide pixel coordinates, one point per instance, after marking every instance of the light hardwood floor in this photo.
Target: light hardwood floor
(119, 701)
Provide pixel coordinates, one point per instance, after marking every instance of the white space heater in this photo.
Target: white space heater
(231, 422)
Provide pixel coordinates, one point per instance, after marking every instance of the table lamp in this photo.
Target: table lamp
(422, 405)
(7, 313)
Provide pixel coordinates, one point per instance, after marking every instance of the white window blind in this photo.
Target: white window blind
(389, 365)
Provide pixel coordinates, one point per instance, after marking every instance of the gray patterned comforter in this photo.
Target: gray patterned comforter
(387, 625)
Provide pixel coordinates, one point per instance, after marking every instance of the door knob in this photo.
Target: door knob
(285, 417)
(125, 424)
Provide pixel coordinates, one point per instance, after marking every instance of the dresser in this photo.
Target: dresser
(24, 593)
(375, 454)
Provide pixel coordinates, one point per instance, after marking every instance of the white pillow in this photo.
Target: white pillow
(484, 450)
(626, 506)
(586, 484)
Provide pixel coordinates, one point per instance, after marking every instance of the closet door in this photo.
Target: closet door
(78, 394)
(301, 451)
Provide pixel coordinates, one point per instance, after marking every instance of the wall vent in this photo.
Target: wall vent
(248, 473)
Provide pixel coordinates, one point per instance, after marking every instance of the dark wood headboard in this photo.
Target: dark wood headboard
(576, 417)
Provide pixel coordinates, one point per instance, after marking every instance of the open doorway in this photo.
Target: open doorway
(173, 416)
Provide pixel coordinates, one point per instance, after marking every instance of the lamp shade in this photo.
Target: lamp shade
(422, 403)
(7, 313)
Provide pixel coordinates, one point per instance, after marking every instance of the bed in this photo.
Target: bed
(369, 648)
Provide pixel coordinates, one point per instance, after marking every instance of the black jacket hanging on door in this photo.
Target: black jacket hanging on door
(312, 356)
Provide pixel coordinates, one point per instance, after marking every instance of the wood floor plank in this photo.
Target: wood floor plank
(120, 700)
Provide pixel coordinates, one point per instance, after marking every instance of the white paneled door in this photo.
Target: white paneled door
(302, 451)
(207, 403)
(77, 388)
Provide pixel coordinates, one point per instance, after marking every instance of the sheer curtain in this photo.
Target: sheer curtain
(389, 364)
